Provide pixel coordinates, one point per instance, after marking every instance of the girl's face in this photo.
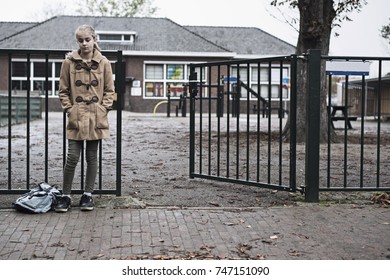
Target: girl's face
(86, 42)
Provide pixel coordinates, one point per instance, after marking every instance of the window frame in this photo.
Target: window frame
(123, 34)
(275, 68)
(53, 79)
(165, 81)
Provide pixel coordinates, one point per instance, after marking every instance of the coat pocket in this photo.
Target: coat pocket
(101, 117)
(73, 118)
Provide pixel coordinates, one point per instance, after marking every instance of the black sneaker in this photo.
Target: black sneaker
(86, 203)
(63, 204)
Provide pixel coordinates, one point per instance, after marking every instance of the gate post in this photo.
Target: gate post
(193, 91)
(119, 86)
(313, 126)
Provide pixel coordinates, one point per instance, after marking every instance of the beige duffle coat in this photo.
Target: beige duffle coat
(86, 93)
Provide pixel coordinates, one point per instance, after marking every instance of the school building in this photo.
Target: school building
(157, 52)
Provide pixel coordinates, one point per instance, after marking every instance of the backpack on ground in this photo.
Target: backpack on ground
(39, 199)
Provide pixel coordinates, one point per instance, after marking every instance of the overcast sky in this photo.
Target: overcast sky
(360, 37)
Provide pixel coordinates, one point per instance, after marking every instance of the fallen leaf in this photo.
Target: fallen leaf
(294, 253)
(97, 256)
(301, 235)
(214, 203)
(260, 257)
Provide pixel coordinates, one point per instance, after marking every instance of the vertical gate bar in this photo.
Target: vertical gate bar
(100, 178)
(247, 119)
(82, 165)
(219, 111)
(363, 115)
(209, 122)
(269, 122)
(120, 67)
(378, 142)
(258, 125)
(169, 102)
(192, 84)
(313, 126)
(64, 116)
(47, 118)
(293, 123)
(28, 120)
(201, 120)
(9, 120)
(280, 114)
(228, 122)
(345, 131)
(184, 106)
(329, 108)
(63, 139)
(238, 122)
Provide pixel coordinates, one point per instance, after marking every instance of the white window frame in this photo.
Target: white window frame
(132, 35)
(52, 80)
(265, 83)
(165, 80)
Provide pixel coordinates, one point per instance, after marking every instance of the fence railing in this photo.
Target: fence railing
(31, 157)
(358, 159)
(241, 149)
(231, 142)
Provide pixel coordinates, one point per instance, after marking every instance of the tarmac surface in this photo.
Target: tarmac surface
(125, 228)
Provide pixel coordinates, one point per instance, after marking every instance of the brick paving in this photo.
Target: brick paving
(302, 232)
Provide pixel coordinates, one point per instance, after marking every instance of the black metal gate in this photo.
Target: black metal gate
(233, 131)
(230, 141)
(50, 143)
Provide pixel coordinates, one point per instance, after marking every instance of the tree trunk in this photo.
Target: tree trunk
(316, 17)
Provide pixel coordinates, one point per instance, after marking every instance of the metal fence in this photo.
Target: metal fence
(238, 112)
(231, 139)
(359, 158)
(19, 146)
(231, 142)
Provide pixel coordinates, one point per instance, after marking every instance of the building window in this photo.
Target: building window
(175, 89)
(110, 37)
(19, 69)
(37, 76)
(154, 72)
(117, 36)
(38, 71)
(154, 89)
(175, 72)
(163, 79)
(274, 92)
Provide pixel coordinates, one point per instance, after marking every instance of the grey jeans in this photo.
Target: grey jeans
(72, 159)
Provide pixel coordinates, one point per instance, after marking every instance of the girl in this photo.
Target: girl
(86, 93)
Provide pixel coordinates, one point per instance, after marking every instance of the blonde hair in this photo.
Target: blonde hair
(91, 30)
